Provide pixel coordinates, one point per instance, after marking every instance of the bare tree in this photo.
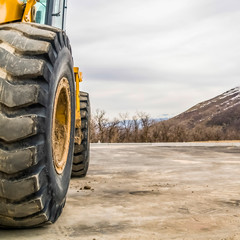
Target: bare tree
(145, 122)
(113, 131)
(135, 129)
(101, 122)
(165, 129)
(125, 126)
(93, 131)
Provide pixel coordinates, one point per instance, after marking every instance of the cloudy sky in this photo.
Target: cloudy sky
(156, 56)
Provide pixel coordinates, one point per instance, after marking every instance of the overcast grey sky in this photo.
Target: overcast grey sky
(156, 56)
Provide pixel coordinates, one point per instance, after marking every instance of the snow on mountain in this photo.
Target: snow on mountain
(218, 109)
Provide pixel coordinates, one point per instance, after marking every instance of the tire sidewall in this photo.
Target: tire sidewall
(59, 183)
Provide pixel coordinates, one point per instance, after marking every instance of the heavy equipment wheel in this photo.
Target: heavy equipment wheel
(37, 123)
(81, 151)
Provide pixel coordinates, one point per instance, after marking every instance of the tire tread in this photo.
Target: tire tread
(81, 151)
(25, 196)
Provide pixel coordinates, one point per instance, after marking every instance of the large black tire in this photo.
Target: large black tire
(34, 60)
(82, 150)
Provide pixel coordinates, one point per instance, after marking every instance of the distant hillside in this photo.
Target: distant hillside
(214, 119)
(223, 109)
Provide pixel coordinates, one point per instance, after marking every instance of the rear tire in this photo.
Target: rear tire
(82, 150)
(36, 66)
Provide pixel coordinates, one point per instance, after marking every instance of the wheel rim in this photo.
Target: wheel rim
(61, 125)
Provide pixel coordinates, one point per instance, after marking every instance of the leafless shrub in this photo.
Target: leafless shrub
(141, 128)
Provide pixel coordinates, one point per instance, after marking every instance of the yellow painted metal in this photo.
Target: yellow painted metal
(11, 10)
(28, 12)
(78, 79)
(61, 125)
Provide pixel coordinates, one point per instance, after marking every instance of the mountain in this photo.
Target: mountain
(221, 110)
(215, 119)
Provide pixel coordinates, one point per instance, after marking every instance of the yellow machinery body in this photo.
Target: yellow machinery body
(16, 11)
(11, 10)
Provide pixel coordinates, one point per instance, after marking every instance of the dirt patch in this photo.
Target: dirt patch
(188, 202)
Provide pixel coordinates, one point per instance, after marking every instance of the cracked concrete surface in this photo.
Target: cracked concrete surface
(151, 191)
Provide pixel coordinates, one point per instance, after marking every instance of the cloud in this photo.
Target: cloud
(147, 55)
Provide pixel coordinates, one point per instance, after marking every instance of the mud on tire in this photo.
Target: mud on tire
(82, 150)
(34, 59)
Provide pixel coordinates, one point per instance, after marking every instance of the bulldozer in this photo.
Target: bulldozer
(44, 117)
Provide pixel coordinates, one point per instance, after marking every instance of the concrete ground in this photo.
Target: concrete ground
(151, 191)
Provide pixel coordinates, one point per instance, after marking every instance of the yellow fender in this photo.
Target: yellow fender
(78, 79)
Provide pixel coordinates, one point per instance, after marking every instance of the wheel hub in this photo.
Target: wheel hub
(61, 125)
